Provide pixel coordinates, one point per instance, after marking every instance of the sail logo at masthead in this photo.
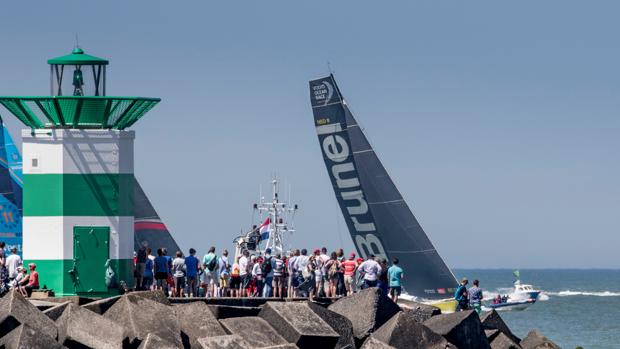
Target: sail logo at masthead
(323, 93)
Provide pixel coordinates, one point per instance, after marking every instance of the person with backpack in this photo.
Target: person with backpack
(209, 264)
(461, 296)
(332, 268)
(267, 271)
(224, 274)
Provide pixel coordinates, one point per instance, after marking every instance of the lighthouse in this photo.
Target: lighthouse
(78, 168)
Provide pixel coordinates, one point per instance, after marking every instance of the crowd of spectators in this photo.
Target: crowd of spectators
(13, 274)
(295, 274)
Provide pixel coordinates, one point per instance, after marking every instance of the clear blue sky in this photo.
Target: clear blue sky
(499, 121)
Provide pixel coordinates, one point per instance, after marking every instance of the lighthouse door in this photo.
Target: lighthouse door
(90, 252)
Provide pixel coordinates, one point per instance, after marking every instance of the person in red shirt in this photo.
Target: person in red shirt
(350, 265)
(31, 281)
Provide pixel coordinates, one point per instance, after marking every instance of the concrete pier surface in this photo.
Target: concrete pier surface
(149, 319)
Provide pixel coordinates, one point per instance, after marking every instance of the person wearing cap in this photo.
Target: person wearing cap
(350, 266)
(21, 274)
(461, 296)
(31, 281)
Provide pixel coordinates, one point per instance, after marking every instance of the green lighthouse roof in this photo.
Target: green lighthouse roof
(77, 57)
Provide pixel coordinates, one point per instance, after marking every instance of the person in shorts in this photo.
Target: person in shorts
(235, 280)
(245, 272)
(210, 267)
(350, 266)
(161, 270)
(178, 272)
(224, 274)
(278, 276)
(395, 277)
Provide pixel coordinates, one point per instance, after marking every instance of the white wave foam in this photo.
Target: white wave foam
(569, 293)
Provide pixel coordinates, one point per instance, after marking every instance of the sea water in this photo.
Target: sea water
(578, 307)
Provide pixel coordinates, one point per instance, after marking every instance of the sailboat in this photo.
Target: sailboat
(10, 192)
(377, 216)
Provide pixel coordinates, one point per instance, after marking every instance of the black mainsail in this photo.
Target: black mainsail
(378, 218)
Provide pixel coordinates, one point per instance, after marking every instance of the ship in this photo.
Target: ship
(276, 220)
(378, 219)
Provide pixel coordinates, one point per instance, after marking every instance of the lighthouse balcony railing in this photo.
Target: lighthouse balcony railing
(104, 112)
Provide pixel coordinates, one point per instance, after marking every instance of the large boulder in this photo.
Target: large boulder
(403, 331)
(502, 341)
(24, 336)
(157, 296)
(536, 340)
(16, 310)
(299, 324)
(54, 312)
(373, 343)
(141, 316)
(228, 311)
(196, 321)
(253, 330)
(462, 329)
(368, 310)
(421, 312)
(231, 341)
(338, 323)
(492, 321)
(102, 305)
(153, 341)
(41, 304)
(81, 328)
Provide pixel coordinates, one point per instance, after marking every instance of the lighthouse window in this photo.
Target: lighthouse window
(35, 162)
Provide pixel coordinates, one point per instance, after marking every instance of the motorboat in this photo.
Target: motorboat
(524, 292)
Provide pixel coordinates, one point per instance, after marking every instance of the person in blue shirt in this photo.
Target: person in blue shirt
(192, 265)
(395, 277)
(161, 270)
(461, 296)
(147, 278)
(475, 297)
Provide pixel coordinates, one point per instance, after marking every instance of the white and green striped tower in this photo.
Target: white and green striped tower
(78, 220)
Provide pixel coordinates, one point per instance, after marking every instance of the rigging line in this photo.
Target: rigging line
(413, 252)
(385, 202)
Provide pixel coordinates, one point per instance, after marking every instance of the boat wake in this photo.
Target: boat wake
(569, 293)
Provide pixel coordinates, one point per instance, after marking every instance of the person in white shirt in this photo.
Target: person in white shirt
(371, 269)
(244, 264)
(12, 263)
(257, 276)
